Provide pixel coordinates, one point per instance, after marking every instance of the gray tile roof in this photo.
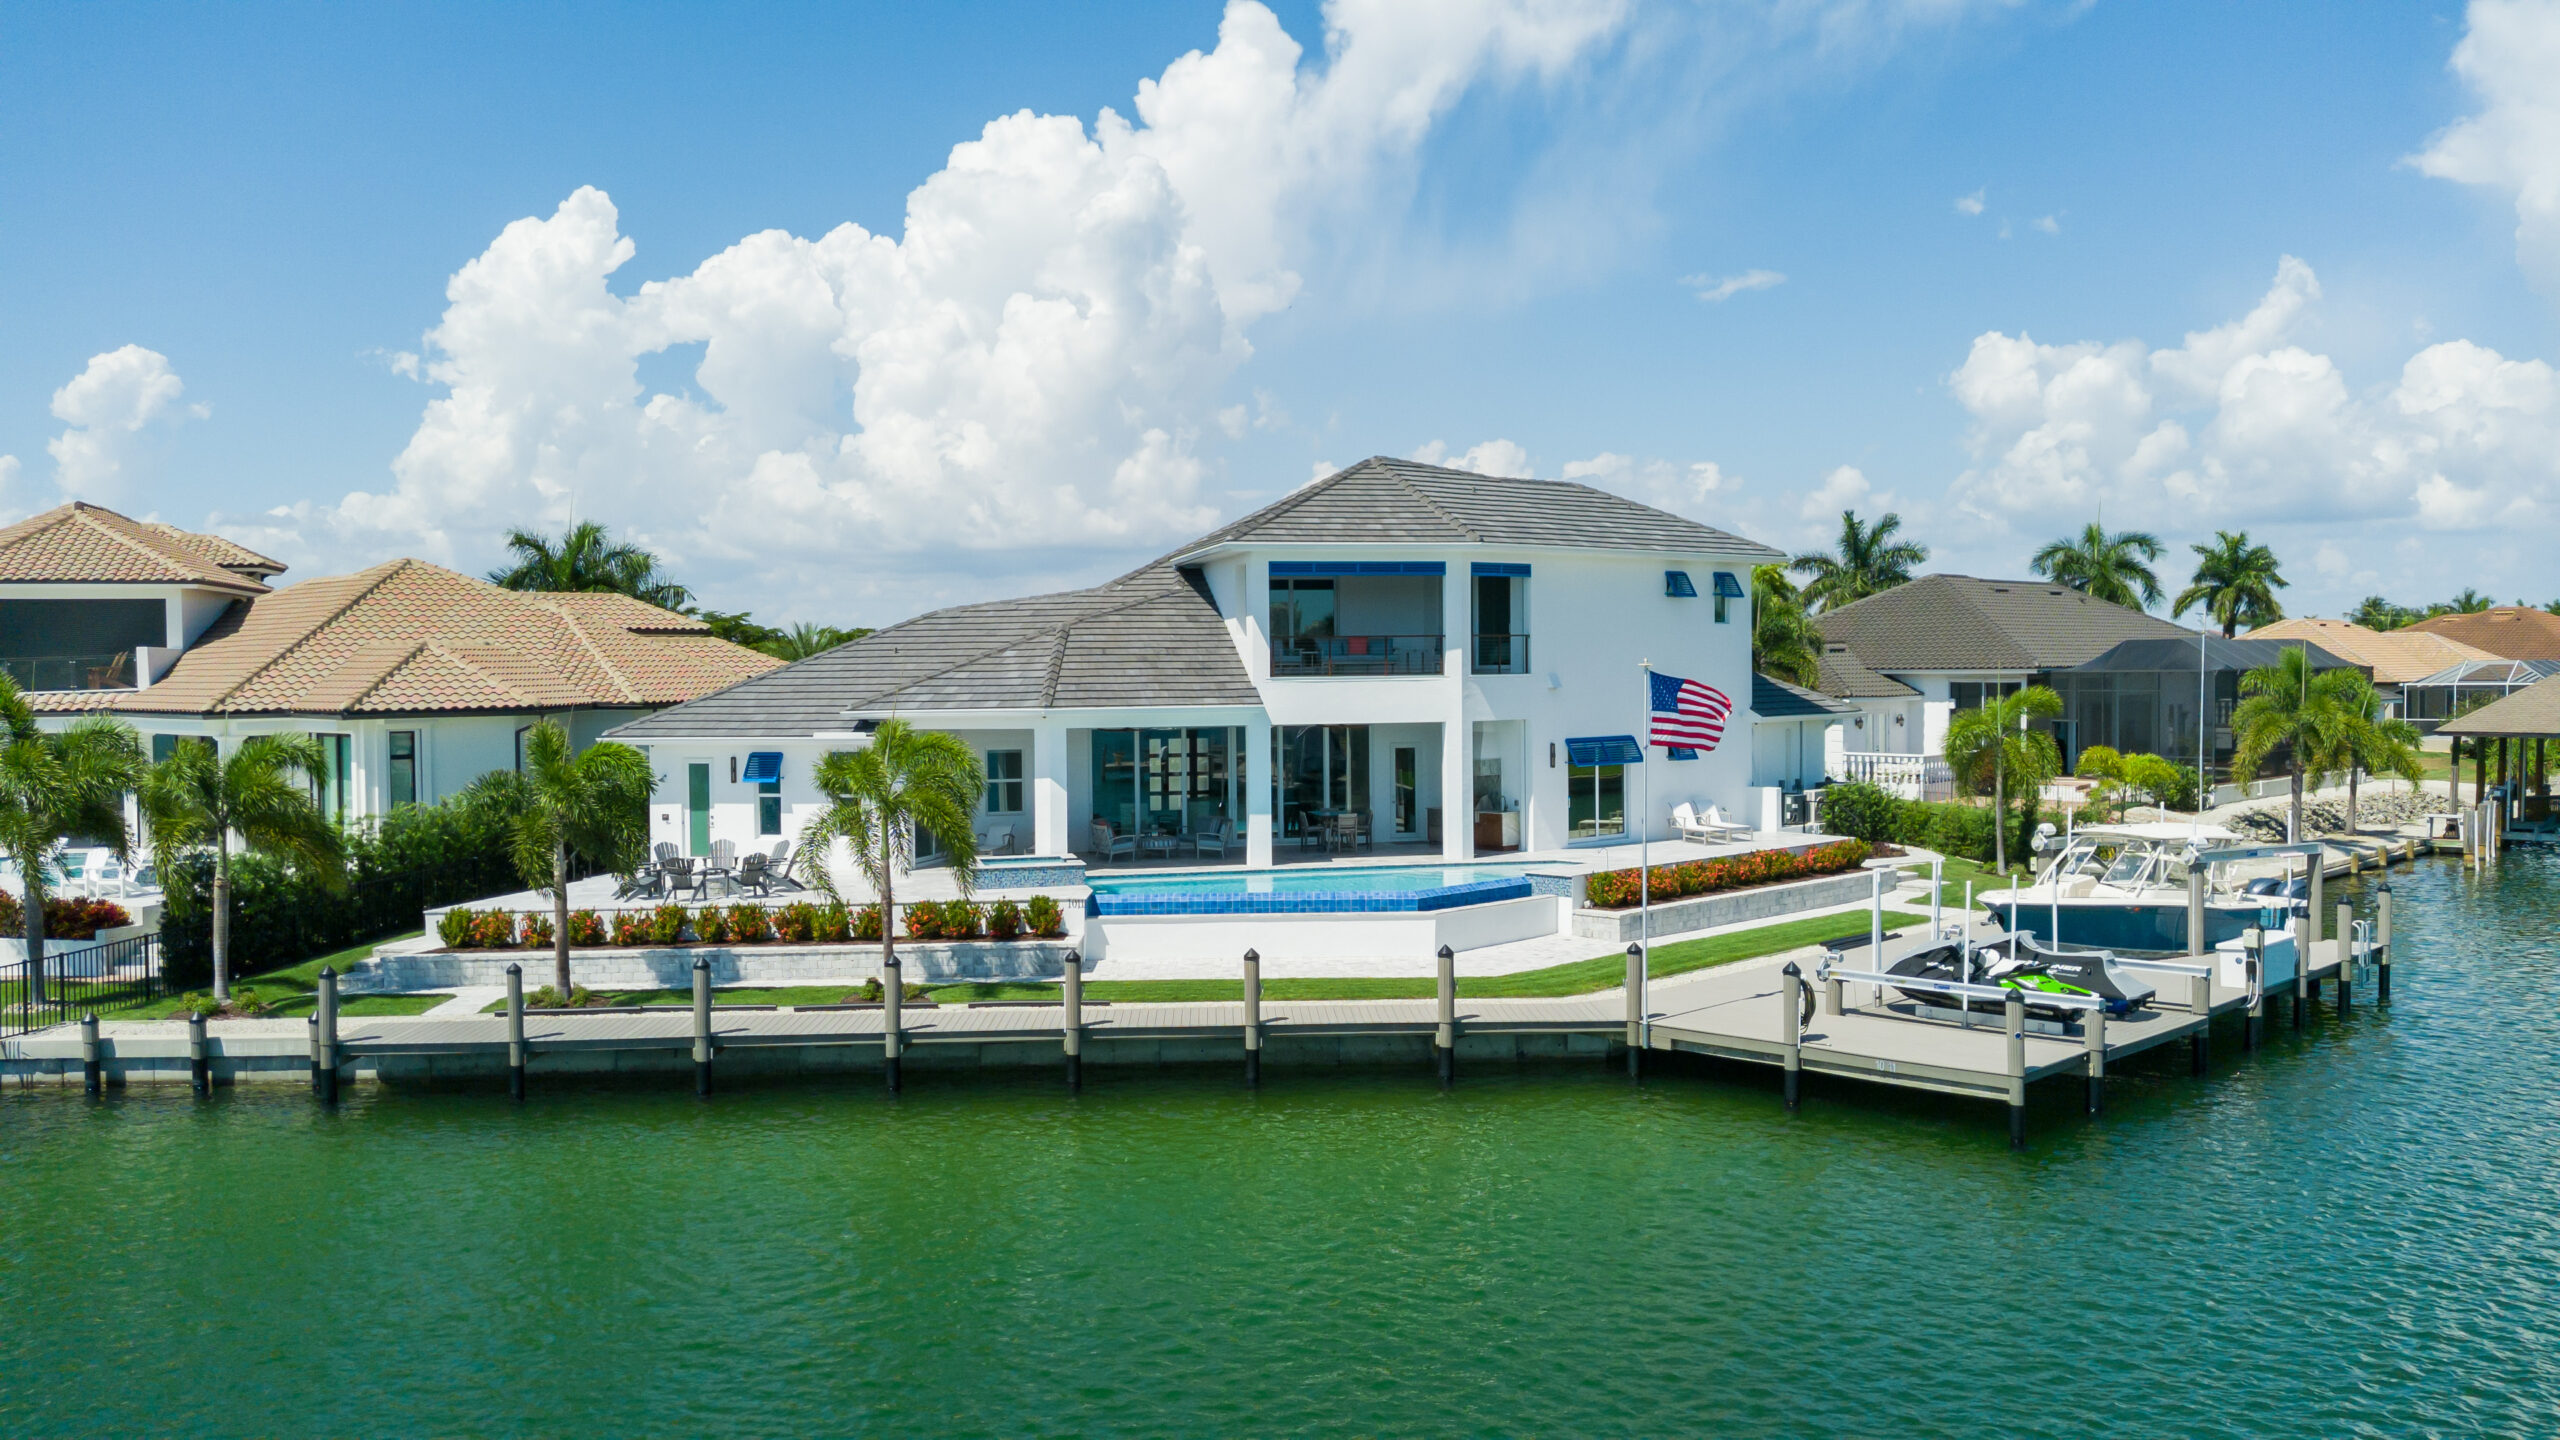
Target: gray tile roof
(1151, 637)
(1385, 499)
(2532, 711)
(1775, 699)
(1956, 622)
(2179, 656)
(1845, 675)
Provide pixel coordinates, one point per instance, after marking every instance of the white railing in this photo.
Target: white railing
(1912, 777)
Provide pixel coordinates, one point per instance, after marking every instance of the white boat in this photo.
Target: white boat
(2124, 888)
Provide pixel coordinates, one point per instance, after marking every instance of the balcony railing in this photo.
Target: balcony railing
(1912, 777)
(1300, 655)
(105, 671)
(1502, 654)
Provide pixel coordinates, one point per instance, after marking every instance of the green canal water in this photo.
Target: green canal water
(2350, 1233)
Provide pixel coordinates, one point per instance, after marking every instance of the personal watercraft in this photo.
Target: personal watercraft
(2018, 963)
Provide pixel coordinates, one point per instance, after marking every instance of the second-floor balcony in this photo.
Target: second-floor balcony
(105, 670)
(1501, 654)
(1294, 656)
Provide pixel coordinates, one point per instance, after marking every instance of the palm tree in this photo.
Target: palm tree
(52, 784)
(586, 557)
(2376, 613)
(1866, 561)
(2114, 568)
(263, 794)
(879, 797)
(2367, 739)
(2469, 602)
(804, 640)
(595, 805)
(2289, 706)
(2236, 583)
(1784, 641)
(1992, 743)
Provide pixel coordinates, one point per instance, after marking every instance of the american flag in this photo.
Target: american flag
(1688, 712)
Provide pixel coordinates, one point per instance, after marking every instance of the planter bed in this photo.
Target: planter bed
(608, 968)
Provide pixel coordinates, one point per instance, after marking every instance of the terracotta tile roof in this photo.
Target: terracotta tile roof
(2514, 632)
(80, 542)
(407, 637)
(2397, 657)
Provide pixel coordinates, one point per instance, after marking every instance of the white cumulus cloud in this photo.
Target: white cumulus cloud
(1031, 364)
(2510, 59)
(1491, 457)
(2241, 424)
(1716, 290)
(107, 412)
(1970, 204)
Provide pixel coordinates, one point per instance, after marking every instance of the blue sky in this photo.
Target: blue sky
(1478, 231)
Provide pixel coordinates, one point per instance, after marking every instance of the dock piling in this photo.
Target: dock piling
(2346, 956)
(2093, 1030)
(199, 1062)
(1073, 1027)
(2382, 944)
(2014, 1020)
(324, 1044)
(515, 1031)
(893, 994)
(92, 1069)
(2257, 1004)
(1635, 1012)
(1252, 1018)
(702, 1025)
(1791, 1025)
(1444, 1040)
(2195, 913)
(2200, 1044)
(2301, 982)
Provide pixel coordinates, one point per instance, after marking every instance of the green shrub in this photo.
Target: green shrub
(535, 930)
(873, 992)
(1004, 920)
(1618, 889)
(866, 923)
(586, 927)
(547, 998)
(453, 927)
(749, 924)
(2101, 762)
(2168, 783)
(832, 925)
(1860, 811)
(66, 917)
(493, 929)
(924, 920)
(711, 925)
(796, 923)
(666, 925)
(630, 928)
(963, 920)
(1044, 917)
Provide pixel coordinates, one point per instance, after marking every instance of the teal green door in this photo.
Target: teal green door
(697, 800)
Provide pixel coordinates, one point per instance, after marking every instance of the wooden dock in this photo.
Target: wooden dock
(1736, 1013)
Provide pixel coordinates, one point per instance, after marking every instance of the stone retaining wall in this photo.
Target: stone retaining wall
(671, 967)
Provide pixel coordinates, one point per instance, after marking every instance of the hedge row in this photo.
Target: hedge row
(1876, 815)
(1619, 889)
(799, 923)
(66, 917)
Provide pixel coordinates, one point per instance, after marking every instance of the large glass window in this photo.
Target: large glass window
(1301, 610)
(330, 793)
(1321, 770)
(403, 779)
(1502, 624)
(77, 644)
(1004, 782)
(1596, 801)
(1163, 782)
(768, 807)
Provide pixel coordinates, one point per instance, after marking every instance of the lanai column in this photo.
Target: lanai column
(1257, 792)
(1457, 736)
(1049, 788)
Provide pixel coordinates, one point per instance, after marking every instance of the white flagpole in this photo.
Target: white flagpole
(1644, 837)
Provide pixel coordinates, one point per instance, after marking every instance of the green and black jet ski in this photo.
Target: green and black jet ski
(2018, 963)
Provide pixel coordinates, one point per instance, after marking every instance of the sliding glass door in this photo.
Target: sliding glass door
(1318, 768)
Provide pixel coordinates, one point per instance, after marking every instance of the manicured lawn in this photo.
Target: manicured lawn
(776, 995)
(295, 990)
(1952, 879)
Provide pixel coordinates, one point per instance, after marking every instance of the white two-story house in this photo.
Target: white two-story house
(1453, 661)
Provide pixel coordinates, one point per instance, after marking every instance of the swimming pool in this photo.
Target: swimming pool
(1315, 889)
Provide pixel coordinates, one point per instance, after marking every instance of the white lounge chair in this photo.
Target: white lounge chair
(1708, 829)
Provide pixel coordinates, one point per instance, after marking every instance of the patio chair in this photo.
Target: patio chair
(663, 851)
(678, 875)
(1351, 829)
(996, 840)
(640, 884)
(1716, 827)
(752, 874)
(777, 868)
(1110, 844)
(1211, 839)
(721, 864)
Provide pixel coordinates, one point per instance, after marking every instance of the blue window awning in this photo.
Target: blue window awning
(1359, 567)
(1604, 750)
(1677, 585)
(763, 767)
(1498, 567)
(1682, 752)
(1727, 585)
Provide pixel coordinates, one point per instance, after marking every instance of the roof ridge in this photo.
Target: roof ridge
(1057, 665)
(464, 661)
(1059, 641)
(1474, 536)
(621, 682)
(388, 569)
(383, 676)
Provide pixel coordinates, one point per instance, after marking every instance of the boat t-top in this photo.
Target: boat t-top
(2124, 888)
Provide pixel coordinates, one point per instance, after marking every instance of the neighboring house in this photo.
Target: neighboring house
(2397, 659)
(2443, 695)
(416, 679)
(1451, 658)
(2514, 632)
(1791, 732)
(1910, 658)
(2140, 697)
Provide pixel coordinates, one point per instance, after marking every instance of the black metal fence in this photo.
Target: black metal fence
(79, 976)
